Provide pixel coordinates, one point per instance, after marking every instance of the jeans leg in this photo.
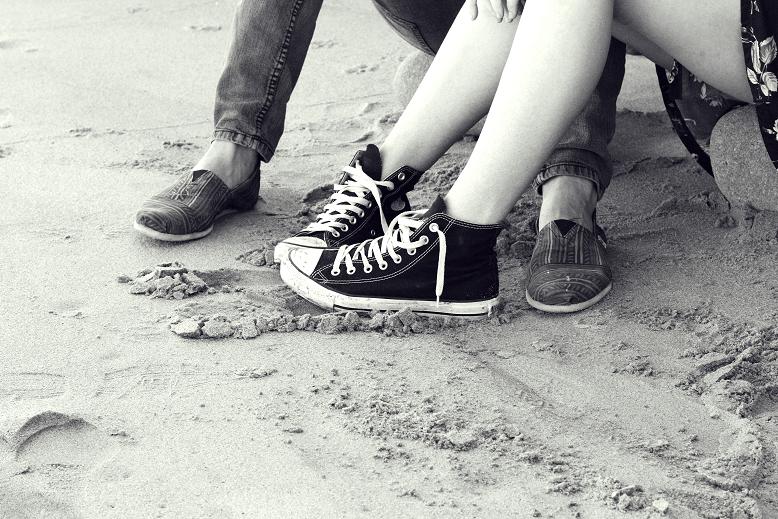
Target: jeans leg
(583, 151)
(268, 49)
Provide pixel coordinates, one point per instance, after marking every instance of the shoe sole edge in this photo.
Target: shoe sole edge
(568, 309)
(330, 300)
(162, 236)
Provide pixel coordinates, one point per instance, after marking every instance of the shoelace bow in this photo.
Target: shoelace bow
(350, 199)
(398, 236)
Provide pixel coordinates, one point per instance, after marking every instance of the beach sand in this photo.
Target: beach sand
(659, 402)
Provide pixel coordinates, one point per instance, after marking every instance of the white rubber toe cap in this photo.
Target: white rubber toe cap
(305, 259)
(282, 249)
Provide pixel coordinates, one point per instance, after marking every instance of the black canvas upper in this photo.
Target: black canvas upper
(369, 225)
(470, 265)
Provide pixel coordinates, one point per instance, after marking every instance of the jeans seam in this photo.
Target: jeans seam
(263, 147)
(275, 76)
(558, 169)
(392, 18)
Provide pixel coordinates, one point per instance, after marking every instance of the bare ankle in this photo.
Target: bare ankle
(232, 163)
(568, 198)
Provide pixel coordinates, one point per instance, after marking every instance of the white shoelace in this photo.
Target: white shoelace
(398, 235)
(350, 199)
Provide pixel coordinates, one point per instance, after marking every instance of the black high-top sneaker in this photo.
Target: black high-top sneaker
(428, 262)
(360, 208)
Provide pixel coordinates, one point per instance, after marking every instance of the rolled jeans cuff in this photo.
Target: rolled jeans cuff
(254, 142)
(575, 163)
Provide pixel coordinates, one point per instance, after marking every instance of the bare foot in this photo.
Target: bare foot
(233, 164)
(568, 198)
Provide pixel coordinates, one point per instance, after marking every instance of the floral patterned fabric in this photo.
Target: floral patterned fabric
(760, 27)
(695, 107)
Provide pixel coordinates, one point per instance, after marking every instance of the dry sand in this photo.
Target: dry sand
(659, 402)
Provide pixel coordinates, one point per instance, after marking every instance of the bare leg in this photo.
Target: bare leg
(703, 34)
(522, 130)
(455, 94)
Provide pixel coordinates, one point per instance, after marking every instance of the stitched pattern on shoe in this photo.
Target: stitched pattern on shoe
(568, 268)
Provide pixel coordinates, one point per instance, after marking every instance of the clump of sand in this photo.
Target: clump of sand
(165, 281)
(252, 321)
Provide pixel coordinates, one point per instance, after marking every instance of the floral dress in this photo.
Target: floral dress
(760, 26)
(695, 107)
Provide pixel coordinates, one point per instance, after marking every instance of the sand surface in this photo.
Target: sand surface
(659, 402)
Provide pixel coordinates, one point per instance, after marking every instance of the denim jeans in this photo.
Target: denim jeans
(268, 49)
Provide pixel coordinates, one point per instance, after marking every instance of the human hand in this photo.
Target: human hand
(502, 9)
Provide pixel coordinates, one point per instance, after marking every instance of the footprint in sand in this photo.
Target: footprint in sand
(53, 438)
(80, 132)
(361, 69)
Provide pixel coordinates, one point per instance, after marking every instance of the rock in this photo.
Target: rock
(141, 288)
(329, 324)
(352, 321)
(742, 167)
(419, 327)
(303, 321)
(217, 329)
(169, 269)
(406, 316)
(247, 328)
(408, 77)
(377, 321)
(123, 278)
(164, 284)
(188, 328)
(262, 324)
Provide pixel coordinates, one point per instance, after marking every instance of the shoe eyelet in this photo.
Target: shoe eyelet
(372, 233)
(434, 227)
(401, 177)
(344, 227)
(383, 266)
(397, 260)
(353, 220)
(361, 213)
(425, 240)
(369, 205)
(368, 269)
(411, 252)
(335, 273)
(335, 234)
(351, 271)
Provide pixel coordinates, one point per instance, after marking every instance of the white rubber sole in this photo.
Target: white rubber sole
(568, 309)
(331, 300)
(161, 236)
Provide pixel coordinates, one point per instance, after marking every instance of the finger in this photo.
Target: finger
(497, 9)
(513, 9)
(472, 6)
